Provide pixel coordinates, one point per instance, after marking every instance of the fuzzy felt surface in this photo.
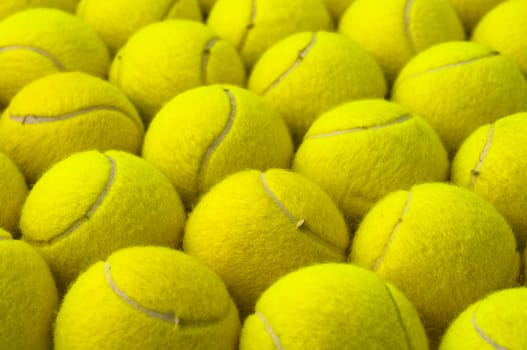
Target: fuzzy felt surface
(115, 21)
(459, 86)
(498, 321)
(38, 42)
(166, 58)
(64, 113)
(207, 133)
(471, 11)
(9, 7)
(430, 241)
(253, 26)
(504, 28)
(308, 73)
(147, 298)
(91, 204)
(490, 162)
(253, 228)
(393, 31)
(377, 146)
(13, 193)
(28, 297)
(333, 306)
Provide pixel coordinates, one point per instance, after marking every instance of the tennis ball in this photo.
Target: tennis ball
(499, 321)
(491, 162)
(147, 298)
(38, 42)
(459, 86)
(166, 58)
(91, 204)
(340, 306)
(310, 73)
(443, 246)
(29, 297)
(471, 11)
(393, 31)
(13, 193)
(115, 21)
(253, 26)
(64, 113)
(9, 7)
(254, 227)
(337, 7)
(505, 30)
(207, 133)
(378, 147)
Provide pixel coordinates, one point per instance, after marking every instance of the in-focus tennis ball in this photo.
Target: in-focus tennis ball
(443, 246)
(147, 298)
(337, 7)
(333, 306)
(499, 321)
(13, 193)
(252, 26)
(207, 133)
(166, 58)
(393, 31)
(9, 7)
(115, 21)
(60, 114)
(253, 228)
(505, 29)
(492, 163)
(307, 74)
(459, 86)
(91, 204)
(378, 147)
(29, 297)
(38, 42)
(471, 11)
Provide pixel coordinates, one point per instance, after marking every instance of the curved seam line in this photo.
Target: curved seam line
(301, 56)
(221, 137)
(400, 317)
(170, 8)
(270, 331)
(360, 128)
(207, 51)
(484, 153)
(407, 19)
(36, 50)
(388, 244)
(87, 216)
(483, 335)
(249, 27)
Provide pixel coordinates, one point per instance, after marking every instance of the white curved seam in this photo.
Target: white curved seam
(477, 169)
(298, 223)
(249, 26)
(270, 331)
(388, 244)
(407, 20)
(37, 50)
(39, 119)
(206, 57)
(361, 128)
(400, 317)
(483, 335)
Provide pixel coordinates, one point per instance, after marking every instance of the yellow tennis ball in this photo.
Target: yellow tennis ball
(207, 133)
(499, 321)
(29, 297)
(459, 86)
(393, 31)
(471, 11)
(13, 193)
(167, 58)
(91, 204)
(253, 26)
(378, 147)
(38, 42)
(339, 306)
(254, 227)
(443, 246)
(65, 113)
(337, 7)
(9, 7)
(147, 298)
(492, 162)
(310, 73)
(504, 28)
(115, 21)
